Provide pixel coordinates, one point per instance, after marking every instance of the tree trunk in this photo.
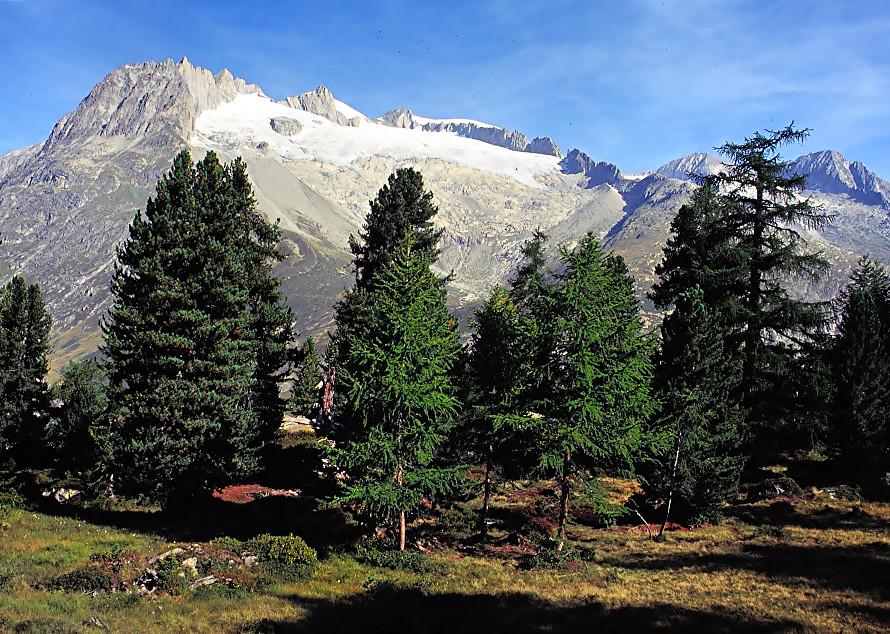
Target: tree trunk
(667, 511)
(486, 495)
(752, 337)
(563, 504)
(402, 530)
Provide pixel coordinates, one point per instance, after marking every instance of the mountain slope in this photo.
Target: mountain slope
(315, 162)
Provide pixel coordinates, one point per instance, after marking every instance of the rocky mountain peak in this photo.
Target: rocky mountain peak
(321, 102)
(577, 162)
(698, 164)
(830, 173)
(159, 101)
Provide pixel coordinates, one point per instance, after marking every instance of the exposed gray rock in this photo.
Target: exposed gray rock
(151, 101)
(544, 145)
(321, 102)
(687, 167)
(577, 162)
(399, 118)
(286, 126)
(829, 172)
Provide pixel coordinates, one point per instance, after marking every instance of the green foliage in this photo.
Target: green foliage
(196, 339)
(392, 559)
(306, 391)
(169, 578)
(401, 206)
(861, 369)
(586, 394)
(77, 429)
(768, 530)
(697, 469)
(86, 579)
(772, 488)
(24, 396)
(394, 351)
(285, 556)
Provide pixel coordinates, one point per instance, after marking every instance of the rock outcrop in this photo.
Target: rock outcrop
(402, 118)
(321, 102)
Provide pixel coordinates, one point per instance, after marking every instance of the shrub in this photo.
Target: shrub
(88, 580)
(169, 579)
(768, 530)
(392, 559)
(773, 488)
(283, 556)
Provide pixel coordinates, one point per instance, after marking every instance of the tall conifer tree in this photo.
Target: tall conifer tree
(196, 339)
(861, 368)
(24, 403)
(398, 398)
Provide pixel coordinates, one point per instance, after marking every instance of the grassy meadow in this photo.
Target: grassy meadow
(816, 562)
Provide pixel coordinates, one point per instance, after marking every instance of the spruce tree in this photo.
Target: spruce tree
(699, 466)
(398, 397)
(24, 403)
(196, 340)
(78, 426)
(496, 372)
(738, 241)
(860, 431)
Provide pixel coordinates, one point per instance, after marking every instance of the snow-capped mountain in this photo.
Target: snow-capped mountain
(315, 162)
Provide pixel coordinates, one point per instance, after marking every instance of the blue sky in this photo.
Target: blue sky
(636, 83)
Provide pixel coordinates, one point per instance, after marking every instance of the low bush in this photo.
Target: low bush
(285, 556)
(772, 488)
(86, 580)
(393, 559)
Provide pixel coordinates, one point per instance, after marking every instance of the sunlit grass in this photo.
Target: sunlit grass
(818, 564)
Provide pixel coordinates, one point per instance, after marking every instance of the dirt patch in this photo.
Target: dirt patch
(244, 493)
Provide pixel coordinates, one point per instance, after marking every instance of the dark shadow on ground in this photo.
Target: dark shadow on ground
(409, 611)
(784, 513)
(861, 568)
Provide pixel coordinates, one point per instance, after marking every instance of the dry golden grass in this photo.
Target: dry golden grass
(817, 564)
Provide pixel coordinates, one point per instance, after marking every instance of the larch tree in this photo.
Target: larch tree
(739, 241)
(398, 398)
(196, 339)
(589, 410)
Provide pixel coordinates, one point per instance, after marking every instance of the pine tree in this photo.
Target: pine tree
(399, 399)
(590, 409)
(24, 346)
(308, 375)
(861, 368)
(401, 205)
(701, 462)
(762, 210)
(496, 371)
(196, 340)
(738, 242)
(77, 429)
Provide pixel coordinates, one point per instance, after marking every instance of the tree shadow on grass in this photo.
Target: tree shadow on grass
(410, 611)
(785, 514)
(862, 568)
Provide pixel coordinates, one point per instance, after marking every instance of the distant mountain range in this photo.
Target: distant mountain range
(315, 162)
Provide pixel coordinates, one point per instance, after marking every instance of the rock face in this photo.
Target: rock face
(698, 164)
(831, 173)
(401, 118)
(286, 126)
(577, 162)
(65, 204)
(321, 102)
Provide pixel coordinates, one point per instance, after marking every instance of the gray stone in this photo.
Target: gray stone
(286, 126)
